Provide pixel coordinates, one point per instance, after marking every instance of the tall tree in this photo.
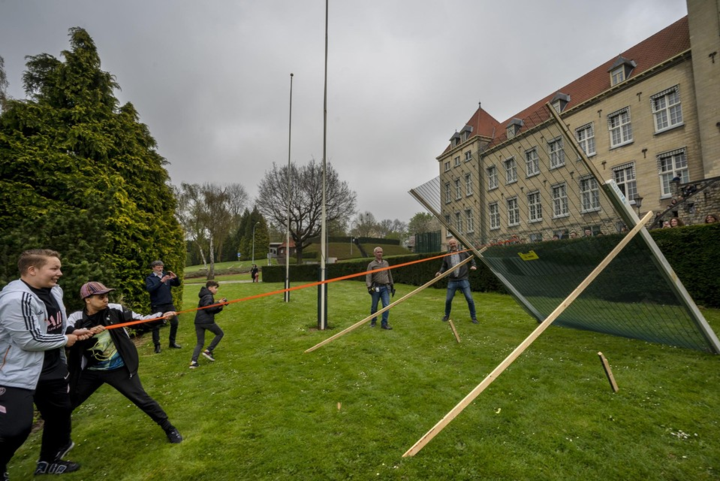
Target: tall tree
(3, 84)
(423, 222)
(305, 200)
(210, 212)
(364, 225)
(81, 175)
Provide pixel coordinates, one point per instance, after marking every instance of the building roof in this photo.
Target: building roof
(647, 54)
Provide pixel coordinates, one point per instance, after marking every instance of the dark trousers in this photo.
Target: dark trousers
(52, 399)
(127, 385)
(173, 324)
(16, 416)
(200, 333)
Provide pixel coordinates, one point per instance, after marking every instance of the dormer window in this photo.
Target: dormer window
(560, 101)
(455, 139)
(621, 70)
(466, 132)
(513, 128)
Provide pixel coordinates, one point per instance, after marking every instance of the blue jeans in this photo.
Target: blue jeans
(463, 286)
(384, 294)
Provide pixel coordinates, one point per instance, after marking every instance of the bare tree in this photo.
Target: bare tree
(305, 200)
(364, 225)
(208, 213)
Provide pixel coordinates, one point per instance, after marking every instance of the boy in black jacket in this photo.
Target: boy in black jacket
(205, 319)
(110, 357)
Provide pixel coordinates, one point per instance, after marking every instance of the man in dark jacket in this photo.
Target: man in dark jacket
(110, 356)
(205, 320)
(458, 280)
(159, 284)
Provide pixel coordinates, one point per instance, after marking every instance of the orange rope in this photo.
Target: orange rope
(280, 291)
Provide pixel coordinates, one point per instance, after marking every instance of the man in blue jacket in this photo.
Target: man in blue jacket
(158, 284)
(33, 367)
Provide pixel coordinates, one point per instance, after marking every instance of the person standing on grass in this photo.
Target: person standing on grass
(458, 280)
(205, 320)
(379, 286)
(254, 273)
(110, 357)
(159, 284)
(33, 367)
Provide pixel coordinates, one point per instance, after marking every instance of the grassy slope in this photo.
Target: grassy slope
(266, 410)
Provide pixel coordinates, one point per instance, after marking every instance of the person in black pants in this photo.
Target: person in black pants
(205, 320)
(110, 356)
(158, 284)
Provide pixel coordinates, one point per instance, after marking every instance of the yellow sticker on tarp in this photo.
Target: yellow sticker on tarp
(530, 256)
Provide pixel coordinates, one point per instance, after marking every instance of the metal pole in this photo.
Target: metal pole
(253, 250)
(289, 193)
(322, 314)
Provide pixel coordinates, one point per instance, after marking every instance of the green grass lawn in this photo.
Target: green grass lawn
(265, 410)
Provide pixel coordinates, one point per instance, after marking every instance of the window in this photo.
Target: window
(458, 222)
(494, 211)
(617, 75)
(589, 194)
(468, 156)
(447, 222)
(468, 184)
(624, 176)
(672, 164)
(557, 154)
(448, 194)
(585, 136)
(620, 128)
(560, 101)
(560, 201)
(666, 109)
(535, 237)
(447, 166)
(457, 162)
(458, 192)
(534, 207)
(492, 176)
(513, 212)
(469, 221)
(532, 162)
(510, 171)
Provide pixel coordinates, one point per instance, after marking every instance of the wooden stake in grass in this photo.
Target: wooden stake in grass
(404, 298)
(608, 372)
(452, 326)
(526, 343)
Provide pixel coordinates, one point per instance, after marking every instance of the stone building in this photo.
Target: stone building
(649, 119)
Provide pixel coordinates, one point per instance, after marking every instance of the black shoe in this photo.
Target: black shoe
(209, 355)
(173, 435)
(372, 324)
(157, 349)
(174, 345)
(386, 327)
(62, 452)
(475, 321)
(445, 318)
(56, 467)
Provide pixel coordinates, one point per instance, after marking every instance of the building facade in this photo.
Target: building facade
(648, 119)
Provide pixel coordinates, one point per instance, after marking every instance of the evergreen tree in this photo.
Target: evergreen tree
(80, 175)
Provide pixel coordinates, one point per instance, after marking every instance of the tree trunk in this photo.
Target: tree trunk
(211, 272)
(202, 254)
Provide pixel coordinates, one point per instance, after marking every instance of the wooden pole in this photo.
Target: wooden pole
(452, 326)
(404, 298)
(608, 372)
(526, 343)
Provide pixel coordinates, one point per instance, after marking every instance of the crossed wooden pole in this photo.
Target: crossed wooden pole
(526, 343)
(389, 306)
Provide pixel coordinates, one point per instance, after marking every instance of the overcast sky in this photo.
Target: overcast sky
(211, 78)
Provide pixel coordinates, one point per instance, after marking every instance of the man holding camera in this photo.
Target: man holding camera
(159, 284)
(379, 285)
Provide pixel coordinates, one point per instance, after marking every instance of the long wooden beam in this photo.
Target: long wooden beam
(527, 342)
(404, 298)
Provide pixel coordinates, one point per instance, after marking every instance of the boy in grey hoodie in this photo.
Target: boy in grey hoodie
(33, 332)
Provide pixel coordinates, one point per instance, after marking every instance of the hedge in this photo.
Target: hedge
(692, 251)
